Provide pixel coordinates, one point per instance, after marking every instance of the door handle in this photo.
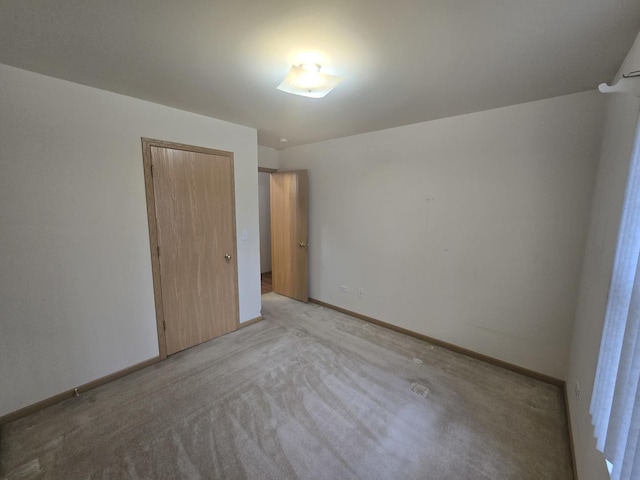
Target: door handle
(303, 245)
(227, 257)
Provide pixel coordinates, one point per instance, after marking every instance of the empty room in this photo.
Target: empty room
(246, 239)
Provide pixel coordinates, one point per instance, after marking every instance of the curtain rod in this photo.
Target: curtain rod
(629, 83)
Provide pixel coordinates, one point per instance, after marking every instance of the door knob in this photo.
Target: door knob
(227, 257)
(303, 245)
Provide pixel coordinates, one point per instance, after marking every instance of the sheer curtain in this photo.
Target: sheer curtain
(615, 405)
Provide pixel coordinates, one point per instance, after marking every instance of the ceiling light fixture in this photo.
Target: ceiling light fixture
(306, 80)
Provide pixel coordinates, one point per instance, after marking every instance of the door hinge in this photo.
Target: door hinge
(164, 326)
(152, 170)
(158, 250)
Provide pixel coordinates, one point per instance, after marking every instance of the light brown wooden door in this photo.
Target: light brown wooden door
(195, 214)
(289, 236)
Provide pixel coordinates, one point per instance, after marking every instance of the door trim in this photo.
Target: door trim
(147, 143)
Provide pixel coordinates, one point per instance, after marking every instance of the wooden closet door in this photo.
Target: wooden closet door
(195, 213)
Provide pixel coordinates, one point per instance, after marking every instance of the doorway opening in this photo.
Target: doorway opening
(264, 203)
(283, 232)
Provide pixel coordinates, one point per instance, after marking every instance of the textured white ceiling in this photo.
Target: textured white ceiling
(402, 61)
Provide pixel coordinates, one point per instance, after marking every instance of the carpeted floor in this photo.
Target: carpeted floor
(307, 393)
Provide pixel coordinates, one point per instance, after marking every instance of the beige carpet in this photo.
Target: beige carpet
(307, 393)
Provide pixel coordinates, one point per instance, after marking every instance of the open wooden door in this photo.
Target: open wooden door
(289, 236)
(192, 223)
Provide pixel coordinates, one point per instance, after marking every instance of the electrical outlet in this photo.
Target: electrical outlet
(361, 292)
(576, 389)
(344, 289)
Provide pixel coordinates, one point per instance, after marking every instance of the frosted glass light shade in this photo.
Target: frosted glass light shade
(308, 82)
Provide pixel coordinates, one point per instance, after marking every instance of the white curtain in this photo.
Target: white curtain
(615, 405)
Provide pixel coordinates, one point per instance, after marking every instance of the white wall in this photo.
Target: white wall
(76, 296)
(618, 139)
(264, 199)
(267, 157)
(468, 229)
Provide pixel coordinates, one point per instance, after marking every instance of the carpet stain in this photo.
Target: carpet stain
(420, 389)
(534, 404)
(297, 333)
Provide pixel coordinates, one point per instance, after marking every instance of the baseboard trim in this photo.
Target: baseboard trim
(250, 322)
(574, 461)
(28, 410)
(478, 356)
(449, 346)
